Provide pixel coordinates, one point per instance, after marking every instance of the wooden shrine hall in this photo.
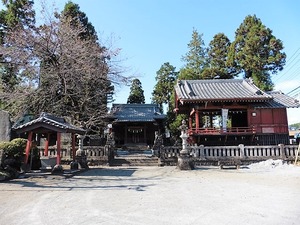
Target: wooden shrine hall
(233, 111)
(135, 124)
(48, 125)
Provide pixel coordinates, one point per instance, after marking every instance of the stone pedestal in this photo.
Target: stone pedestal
(185, 162)
(47, 162)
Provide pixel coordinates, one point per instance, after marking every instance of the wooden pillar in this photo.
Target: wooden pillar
(125, 138)
(46, 150)
(211, 120)
(197, 119)
(145, 134)
(190, 122)
(73, 147)
(58, 146)
(28, 146)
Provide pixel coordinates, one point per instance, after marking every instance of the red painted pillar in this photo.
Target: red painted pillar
(58, 146)
(73, 147)
(47, 145)
(28, 146)
(197, 119)
(190, 122)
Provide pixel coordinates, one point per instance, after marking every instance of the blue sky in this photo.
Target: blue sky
(152, 32)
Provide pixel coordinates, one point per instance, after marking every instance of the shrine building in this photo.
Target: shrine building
(135, 124)
(233, 111)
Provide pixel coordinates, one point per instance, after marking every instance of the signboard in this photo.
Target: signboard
(224, 119)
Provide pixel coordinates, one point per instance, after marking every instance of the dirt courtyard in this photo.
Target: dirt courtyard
(264, 193)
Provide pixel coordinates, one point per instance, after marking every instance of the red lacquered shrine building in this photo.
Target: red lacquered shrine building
(232, 112)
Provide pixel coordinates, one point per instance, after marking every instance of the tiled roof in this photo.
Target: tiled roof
(220, 90)
(136, 113)
(279, 100)
(49, 122)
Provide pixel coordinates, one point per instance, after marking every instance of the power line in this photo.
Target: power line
(289, 66)
(293, 90)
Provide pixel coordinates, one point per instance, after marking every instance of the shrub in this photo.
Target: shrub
(14, 149)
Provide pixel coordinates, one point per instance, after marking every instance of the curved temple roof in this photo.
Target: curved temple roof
(231, 90)
(48, 122)
(136, 113)
(219, 90)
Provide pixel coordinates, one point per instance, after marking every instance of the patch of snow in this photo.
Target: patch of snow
(273, 165)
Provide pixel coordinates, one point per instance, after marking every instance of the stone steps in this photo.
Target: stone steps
(134, 160)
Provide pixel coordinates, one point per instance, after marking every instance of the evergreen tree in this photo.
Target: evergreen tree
(18, 13)
(195, 58)
(164, 88)
(136, 95)
(76, 17)
(257, 52)
(217, 58)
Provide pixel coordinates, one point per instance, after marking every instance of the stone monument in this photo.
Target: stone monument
(5, 126)
(185, 162)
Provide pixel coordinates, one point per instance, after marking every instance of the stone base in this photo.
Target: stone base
(185, 163)
(74, 165)
(47, 162)
(57, 169)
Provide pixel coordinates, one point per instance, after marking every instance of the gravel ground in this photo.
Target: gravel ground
(264, 193)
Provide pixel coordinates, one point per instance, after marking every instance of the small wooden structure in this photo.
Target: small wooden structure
(232, 112)
(48, 125)
(135, 123)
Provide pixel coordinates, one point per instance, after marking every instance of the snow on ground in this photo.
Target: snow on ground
(262, 193)
(271, 164)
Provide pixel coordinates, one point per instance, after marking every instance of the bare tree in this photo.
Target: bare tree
(62, 73)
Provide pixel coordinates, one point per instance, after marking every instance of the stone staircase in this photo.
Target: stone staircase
(134, 158)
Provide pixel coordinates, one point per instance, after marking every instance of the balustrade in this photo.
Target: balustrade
(241, 152)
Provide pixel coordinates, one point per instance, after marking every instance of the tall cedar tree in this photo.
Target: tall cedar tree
(76, 17)
(164, 88)
(217, 58)
(257, 52)
(18, 13)
(194, 69)
(195, 58)
(136, 95)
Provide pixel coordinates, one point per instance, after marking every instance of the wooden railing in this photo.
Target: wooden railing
(219, 131)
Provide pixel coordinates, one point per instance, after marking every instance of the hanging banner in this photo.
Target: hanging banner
(224, 119)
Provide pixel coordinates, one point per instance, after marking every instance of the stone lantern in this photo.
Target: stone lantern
(80, 157)
(185, 162)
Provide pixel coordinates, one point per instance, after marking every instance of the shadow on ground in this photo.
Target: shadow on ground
(92, 179)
